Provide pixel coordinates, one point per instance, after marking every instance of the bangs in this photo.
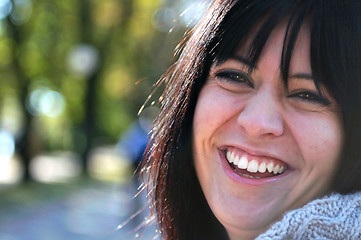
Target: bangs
(267, 15)
(335, 56)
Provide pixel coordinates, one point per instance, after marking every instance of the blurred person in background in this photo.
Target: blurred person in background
(259, 130)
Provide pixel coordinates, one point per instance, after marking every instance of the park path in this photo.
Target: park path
(90, 212)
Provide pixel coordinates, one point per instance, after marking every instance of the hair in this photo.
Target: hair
(335, 56)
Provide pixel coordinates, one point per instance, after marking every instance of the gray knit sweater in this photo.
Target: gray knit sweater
(336, 217)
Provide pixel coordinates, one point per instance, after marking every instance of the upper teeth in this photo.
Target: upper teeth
(253, 166)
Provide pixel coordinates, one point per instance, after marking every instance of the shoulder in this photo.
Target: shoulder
(334, 216)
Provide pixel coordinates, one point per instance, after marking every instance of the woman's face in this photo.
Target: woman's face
(261, 149)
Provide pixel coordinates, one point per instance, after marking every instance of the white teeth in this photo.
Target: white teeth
(252, 166)
(270, 167)
(236, 160)
(262, 167)
(243, 162)
(276, 168)
(232, 156)
(229, 158)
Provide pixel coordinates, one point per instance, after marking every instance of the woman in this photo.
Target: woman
(260, 117)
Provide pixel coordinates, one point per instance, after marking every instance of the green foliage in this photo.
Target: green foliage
(35, 54)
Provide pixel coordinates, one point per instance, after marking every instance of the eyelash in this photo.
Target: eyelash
(235, 77)
(311, 97)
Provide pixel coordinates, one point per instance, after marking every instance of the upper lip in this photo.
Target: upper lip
(257, 152)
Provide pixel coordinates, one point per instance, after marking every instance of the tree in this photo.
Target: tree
(100, 104)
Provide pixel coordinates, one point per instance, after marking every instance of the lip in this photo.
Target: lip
(254, 152)
(250, 181)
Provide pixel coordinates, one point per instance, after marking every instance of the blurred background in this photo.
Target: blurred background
(73, 76)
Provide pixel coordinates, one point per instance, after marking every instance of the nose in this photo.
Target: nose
(261, 117)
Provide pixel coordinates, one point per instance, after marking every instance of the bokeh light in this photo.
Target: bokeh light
(11, 117)
(5, 8)
(82, 60)
(10, 167)
(44, 101)
(11, 171)
(55, 56)
(191, 12)
(117, 82)
(106, 164)
(21, 11)
(7, 145)
(55, 167)
(164, 19)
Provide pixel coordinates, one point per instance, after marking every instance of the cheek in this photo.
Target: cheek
(213, 110)
(208, 113)
(320, 140)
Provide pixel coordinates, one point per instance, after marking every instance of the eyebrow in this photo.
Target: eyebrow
(302, 76)
(244, 61)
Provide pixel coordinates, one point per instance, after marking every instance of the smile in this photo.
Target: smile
(255, 167)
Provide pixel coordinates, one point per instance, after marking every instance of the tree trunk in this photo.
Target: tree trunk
(23, 145)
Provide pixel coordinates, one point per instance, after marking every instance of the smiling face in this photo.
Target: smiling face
(260, 149)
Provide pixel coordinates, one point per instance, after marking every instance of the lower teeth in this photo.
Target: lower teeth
(248, 176)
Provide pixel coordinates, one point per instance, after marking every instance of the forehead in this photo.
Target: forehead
(276, 46)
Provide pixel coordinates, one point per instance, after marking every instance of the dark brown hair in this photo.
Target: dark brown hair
(335, 26)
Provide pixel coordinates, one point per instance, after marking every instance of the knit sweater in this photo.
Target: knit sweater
(336, 217)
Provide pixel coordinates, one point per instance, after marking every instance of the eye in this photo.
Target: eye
(310, 97)
(234, 77)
